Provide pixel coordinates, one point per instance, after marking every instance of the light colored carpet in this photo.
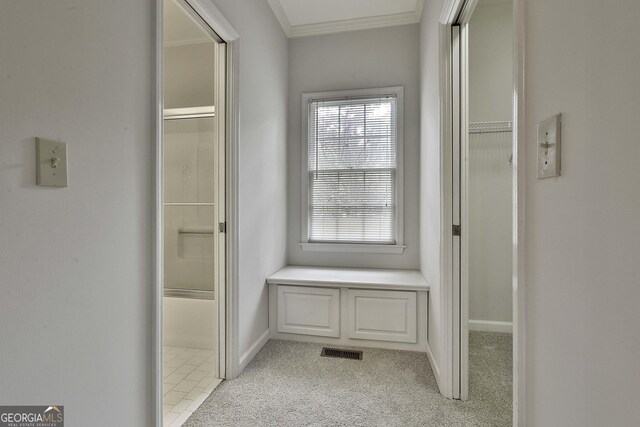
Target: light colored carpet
(289, 384)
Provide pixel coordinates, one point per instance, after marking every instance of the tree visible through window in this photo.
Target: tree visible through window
(352, 170)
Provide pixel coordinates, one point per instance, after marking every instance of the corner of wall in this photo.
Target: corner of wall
(252, 351)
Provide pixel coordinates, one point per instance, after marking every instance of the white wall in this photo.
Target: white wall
(189, 322)
(490, 175)
(491, 62)
(263, 168)
(76, 263)
(430, 180)
(355, 60)
(189, 75)
(583, 228)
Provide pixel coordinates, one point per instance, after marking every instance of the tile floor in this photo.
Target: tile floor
(188, 379)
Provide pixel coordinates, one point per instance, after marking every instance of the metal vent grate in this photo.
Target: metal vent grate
(342, 354)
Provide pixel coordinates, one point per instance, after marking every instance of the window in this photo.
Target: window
(352, 183)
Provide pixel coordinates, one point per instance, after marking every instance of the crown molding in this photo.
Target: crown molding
(280, 16)
(293, 31)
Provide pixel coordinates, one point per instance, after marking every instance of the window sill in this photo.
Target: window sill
(352, 247)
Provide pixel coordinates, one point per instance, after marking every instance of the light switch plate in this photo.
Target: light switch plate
(51, 163)
(549, 147)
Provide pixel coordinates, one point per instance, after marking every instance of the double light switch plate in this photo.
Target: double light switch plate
(549, 147)
(51, 160)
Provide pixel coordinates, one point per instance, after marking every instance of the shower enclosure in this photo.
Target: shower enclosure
(189, 207)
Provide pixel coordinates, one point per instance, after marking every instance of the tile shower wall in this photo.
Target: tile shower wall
(189, 209)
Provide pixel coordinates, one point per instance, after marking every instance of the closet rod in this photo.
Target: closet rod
(189, 113)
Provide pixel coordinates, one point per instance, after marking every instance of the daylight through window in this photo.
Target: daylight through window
(352, 170)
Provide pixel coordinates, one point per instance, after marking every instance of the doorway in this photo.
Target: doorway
(486, 203)
(193, 210)
(482, 233)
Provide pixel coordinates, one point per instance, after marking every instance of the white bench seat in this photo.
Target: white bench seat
(354, 278)
(349, 306)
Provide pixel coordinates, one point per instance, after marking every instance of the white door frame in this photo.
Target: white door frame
(458, 12)
(228, 295)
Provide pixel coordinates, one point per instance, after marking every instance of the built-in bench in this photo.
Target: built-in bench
(350, 306)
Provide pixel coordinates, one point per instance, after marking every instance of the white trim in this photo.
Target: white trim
(278, 11)
(446, 247)
(345, 25)
(352, 247)
(220, 268)
(490, 326)
(398, 91)
(519, 237)
(435, 368)
(456, 187)
(253, 350)
(450, 11)
(232, 299)
(464, 199)
(353, 25)
(157, 262)
(208, 11)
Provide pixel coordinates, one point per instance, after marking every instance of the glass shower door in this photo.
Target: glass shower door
(189, 208)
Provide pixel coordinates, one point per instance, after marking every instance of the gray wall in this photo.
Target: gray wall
(263, 168)
(76, 263)
(583, 229)
(355, 60)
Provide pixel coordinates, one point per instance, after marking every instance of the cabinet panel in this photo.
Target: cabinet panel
(309, 311)
(382, 315)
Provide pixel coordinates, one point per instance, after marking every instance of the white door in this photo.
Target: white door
(459, 79)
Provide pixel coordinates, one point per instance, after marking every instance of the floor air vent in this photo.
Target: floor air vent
(340, 353)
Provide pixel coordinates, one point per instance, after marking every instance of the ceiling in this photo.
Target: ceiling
(301, 18)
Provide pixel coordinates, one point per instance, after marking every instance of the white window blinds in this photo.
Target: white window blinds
(352, 170)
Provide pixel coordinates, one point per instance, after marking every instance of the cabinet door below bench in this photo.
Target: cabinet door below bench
(309, 311)
(382, 315)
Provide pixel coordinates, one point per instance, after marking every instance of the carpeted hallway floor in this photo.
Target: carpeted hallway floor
(289, 384)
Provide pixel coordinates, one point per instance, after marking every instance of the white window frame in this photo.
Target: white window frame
(398, 247)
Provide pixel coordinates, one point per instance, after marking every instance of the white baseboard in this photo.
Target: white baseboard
(490, 326)
(253, 350)
(434, 366)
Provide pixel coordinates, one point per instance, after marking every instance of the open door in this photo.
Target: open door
(458, 244)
